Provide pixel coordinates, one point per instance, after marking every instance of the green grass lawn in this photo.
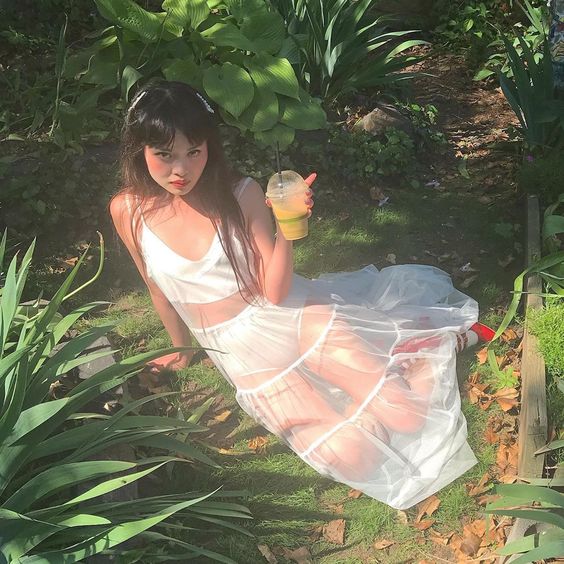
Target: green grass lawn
(290, 502)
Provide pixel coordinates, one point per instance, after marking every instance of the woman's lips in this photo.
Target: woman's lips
(179, 183)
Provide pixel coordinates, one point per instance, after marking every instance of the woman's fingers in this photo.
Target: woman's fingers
(311, 178)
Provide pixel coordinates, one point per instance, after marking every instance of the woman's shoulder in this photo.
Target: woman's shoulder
(246, 187)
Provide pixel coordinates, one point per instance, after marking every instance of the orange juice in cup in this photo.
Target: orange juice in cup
(286, 191)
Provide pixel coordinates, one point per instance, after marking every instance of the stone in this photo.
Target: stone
(382, 117)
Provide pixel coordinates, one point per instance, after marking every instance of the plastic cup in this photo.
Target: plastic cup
(286, 191)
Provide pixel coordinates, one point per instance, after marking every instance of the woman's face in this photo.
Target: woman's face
(177, 169)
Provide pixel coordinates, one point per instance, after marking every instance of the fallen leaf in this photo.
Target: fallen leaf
(427, 507)
(383, 544)
(402, 517)
(507, 398)
(354, 494)
(439, 538)
(300, 555)
(334, 531)
(482, 355)
(267, 553)
(376, 193)
(509, 335)
(467, 282)
(258, 443)
(481, 487)
(508, 479)
(470, 543)
(344, 215)
(391, 258)
(223, 416)
(504, 263)
(424, 524)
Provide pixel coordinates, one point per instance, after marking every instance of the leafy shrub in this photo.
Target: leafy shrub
(548, 326)
(45, 189)
(543, 175)
(52, 471)
(359, 157)
(342, 48)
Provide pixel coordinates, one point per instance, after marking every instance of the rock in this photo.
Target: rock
(382, 117)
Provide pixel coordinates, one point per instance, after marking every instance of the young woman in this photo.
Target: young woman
(354, 371)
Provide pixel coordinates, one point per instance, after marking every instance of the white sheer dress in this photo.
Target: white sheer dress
(326, 369)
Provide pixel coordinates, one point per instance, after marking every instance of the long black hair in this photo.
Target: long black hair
(154, 115)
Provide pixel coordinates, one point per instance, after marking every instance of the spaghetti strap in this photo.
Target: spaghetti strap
(241, 187)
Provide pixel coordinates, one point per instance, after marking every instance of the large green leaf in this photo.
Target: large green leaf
(184, 70)
(50, 481)
(306, 114)
(274, 73)
(186, 13)
(262, 114)
(129, 15)
(265, 29)
(106, 540)
(226, 34)
(230, 86)
(280, 135)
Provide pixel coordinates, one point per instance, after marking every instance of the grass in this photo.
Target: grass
(290, 501)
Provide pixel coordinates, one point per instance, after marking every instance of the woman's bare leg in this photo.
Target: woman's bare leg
(292, 408)
(351, 364)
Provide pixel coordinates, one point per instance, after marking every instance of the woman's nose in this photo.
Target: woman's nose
(179, 167)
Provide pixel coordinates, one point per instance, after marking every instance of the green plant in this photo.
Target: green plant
(359, 157)
(548, 326)
(52, 471)
(542, 175)
(537, 503)
(531, 95)
(533, 35)
(234, 53)
(341, 48)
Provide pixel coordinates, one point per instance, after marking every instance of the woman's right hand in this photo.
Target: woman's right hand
(173, 361)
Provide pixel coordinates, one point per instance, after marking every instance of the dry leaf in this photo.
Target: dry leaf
(402, 517)
(508, 479)
(467, 282)
(509, 335)
(439, 538)
(482, 355)
(300, 555)
(258, 443)
(354, 494)
(223, 416)
(470, 543)
(334, 531)
(383, 544)
(391, 258)
(481, 487)
(424, 524)
(427, 507)
(504, 263)
(507, 398)
(491, 436)
(267, 553)
(344, 215)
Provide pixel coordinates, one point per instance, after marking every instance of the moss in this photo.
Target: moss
(548, 326)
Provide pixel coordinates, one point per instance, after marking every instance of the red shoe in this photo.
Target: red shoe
(484, 332)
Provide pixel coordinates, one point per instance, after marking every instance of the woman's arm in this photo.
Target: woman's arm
(174, 325)
(277, 253)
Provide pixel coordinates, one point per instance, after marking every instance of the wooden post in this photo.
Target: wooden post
(533, 427)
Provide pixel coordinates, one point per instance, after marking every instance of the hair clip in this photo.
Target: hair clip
(136, 101)
(206, 103)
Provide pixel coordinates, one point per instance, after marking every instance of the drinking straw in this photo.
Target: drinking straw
(278, 163)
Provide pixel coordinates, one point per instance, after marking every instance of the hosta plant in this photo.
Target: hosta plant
(53, 471)
(232, 51)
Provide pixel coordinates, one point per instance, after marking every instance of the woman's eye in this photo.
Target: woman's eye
(163, 155)
(194, 153)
